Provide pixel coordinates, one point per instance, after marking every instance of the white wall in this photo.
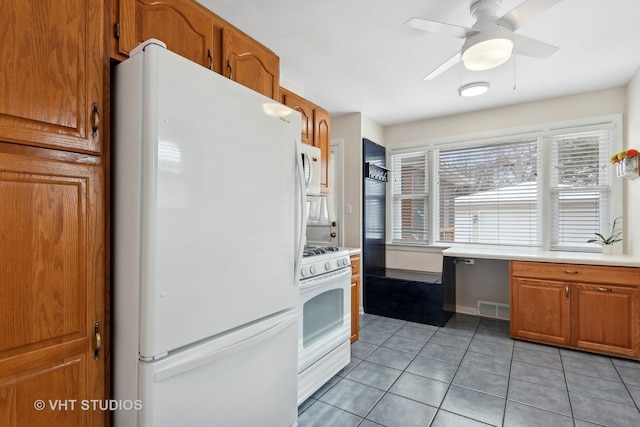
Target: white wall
(352, 128)
(348, 128)
(632, 187)
(570, 107)
(488, 280)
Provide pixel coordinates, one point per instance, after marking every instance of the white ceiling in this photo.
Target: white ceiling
(357, 56)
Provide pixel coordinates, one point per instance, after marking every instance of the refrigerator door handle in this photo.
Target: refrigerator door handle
(210, 357)
(303, 212)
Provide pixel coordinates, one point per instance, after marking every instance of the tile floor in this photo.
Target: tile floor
(470, 373)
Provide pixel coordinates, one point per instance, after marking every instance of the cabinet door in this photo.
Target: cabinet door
(52, 292)
(322, 140)
(51, 75)
(183, 25)
(606, 319)
(355, 311)
(305, 108)
(250, 63)
(540, 311)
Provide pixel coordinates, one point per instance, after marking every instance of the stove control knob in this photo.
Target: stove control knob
(303, 272)
(327, 266)
(312, 269)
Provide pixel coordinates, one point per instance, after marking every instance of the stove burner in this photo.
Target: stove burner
(318, 250)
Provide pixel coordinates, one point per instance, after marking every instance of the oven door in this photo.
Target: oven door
(325, 315)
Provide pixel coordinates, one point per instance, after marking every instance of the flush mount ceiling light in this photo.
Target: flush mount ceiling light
(474, 89)
(486, 51)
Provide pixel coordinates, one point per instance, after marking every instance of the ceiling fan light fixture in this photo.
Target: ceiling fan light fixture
(473, 89)
(486, 54)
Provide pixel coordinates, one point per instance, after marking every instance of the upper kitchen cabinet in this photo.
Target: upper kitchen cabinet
(249, 63)
(316, 124)
(322, 139)
(52, 73)
(186, 27)
(305, 108)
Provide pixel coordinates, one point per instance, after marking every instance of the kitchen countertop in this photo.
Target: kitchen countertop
(352, 251)
(512, 254)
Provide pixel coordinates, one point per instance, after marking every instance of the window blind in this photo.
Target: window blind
(549, 188)
(489, 194)
(580, 188)
(410, 198)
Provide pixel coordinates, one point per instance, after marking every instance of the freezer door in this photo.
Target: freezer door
(246, 378)
(217, 218)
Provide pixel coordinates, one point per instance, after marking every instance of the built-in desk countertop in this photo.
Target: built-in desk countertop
(512, 254)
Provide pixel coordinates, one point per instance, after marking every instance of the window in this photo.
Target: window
(488, 194)
(547, 188)
(580, 187)
(410, 188)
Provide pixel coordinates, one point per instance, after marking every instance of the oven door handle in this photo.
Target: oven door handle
(319, 281)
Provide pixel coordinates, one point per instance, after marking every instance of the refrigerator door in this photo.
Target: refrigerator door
(245, 378)
(212, 182)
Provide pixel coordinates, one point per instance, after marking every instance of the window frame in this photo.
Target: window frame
(543, 133)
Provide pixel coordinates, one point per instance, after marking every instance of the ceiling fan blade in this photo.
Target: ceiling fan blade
(440, 28)
(530, 47)
(525, 13)
(444, 67)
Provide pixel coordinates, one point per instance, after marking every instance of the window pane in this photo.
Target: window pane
(579, 179)
(488, 194)
(410, 188)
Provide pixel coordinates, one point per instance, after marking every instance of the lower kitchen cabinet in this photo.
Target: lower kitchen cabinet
(606, 319)
(355, 298)
(577, 306)
(540, 311)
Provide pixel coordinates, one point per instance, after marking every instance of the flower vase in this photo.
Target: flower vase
(607, 249)
(627, 167)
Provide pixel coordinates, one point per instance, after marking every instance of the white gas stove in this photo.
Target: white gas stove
(319, 260)
(324, 327)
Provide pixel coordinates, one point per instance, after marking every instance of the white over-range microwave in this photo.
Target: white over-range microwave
(312, 164)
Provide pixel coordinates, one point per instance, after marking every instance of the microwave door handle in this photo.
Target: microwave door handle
(306, 166)
(302, 210)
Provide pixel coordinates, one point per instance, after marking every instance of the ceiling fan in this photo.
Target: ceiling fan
(491, 41)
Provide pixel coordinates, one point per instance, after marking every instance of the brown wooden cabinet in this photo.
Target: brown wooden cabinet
(305, 108)
(606, 319)
(595, 308)
(52, 58)
(542, 310)
(53, 278)
(249, 63)
(316, 130)
(186, 27)
(322, 140)
(52, 220)
(355, 297)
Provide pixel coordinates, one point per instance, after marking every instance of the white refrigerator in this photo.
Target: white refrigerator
(207, 219)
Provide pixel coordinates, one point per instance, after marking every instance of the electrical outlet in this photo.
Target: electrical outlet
(347, 208)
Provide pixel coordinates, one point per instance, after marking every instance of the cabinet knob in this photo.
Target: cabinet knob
(571, 271)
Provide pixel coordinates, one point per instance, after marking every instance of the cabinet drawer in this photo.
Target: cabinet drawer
(577, 272)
